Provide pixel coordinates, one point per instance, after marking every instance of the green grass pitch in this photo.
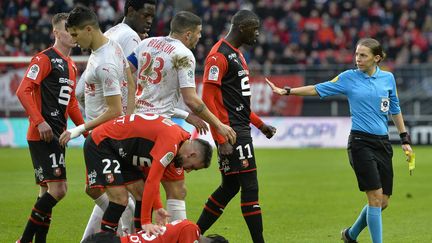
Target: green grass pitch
(306, 195)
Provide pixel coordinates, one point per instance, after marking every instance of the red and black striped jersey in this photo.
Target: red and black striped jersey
(227, 89)
(144, 140)
(47, 92)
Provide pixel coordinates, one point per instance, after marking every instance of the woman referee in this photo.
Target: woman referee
(371, 93)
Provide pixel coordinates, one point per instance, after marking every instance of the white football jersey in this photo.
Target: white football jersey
(104, 76)
(164, 66)
(125, 36)
(128, 40)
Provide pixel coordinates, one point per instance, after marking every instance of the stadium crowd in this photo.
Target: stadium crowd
(293, 31)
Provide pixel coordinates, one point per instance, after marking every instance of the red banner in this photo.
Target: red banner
(264, 102)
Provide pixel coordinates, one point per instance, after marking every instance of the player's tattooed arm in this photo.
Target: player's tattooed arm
(199, 109)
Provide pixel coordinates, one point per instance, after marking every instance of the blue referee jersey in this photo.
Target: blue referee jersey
(370, 98)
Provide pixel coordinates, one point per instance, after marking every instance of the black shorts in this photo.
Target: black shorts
(105, 167)
(371, 158)
(242, 158)
(48, 161)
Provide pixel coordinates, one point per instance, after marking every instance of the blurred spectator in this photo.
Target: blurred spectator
(293, 31)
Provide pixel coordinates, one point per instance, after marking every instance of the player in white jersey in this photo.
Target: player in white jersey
(106, 71)
(138, 18)
(165, 68)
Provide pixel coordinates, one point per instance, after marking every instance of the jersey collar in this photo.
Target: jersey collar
(374, 76)
(235, 49)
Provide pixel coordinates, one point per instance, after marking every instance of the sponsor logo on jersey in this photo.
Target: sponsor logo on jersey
(55, 113)
(33, 72)
(39, 173)
(232, 56)
(92, 177)
(224, 162)
(242, 73)
(66, 81)
(122, 153)
(167, 158)
(57, 60)
(240, 107)
(109, 178)
(213, 73)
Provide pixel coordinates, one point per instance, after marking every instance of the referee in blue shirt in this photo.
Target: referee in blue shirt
(372, 95)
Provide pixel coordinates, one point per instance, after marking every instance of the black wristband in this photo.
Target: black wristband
(405, 138)
(288, 90)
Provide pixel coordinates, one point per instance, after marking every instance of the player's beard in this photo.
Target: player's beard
(178, 161)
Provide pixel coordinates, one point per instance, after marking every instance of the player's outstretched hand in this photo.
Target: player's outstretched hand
(152, 229)
(64, 138)
(161, 216)
(275, 89)
(198, 123)
(225, 148)
(45, 132)
(228, 133)
(268, 130)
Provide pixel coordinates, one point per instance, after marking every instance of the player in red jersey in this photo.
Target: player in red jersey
(47, 93)
(227, 93)
(115, 149)
(179, 231)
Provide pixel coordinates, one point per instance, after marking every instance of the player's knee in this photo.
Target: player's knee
(136, 190)
(58, 190)
(93, 192)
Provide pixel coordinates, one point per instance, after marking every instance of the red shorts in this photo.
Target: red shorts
(171, 173)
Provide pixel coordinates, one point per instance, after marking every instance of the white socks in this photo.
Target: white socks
(176, 208)
(94, 223)
(127, 218)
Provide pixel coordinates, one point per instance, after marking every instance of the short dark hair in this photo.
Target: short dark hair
(102, 237)
(244, 16)
(58, 17)
(184, 21)
(81, 16)
(215, 238)
(207, 151)
(136, 4)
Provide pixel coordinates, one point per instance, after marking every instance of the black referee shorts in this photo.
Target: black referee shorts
(371, 158)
